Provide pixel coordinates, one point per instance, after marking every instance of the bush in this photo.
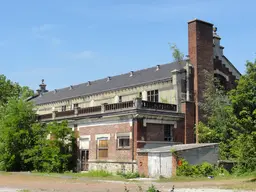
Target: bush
(203, 170)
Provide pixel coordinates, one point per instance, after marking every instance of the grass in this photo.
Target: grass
(94, 174)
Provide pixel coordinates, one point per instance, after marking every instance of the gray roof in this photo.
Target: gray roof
(116, 82)
(179, 147)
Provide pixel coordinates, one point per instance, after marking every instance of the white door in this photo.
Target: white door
(153, 164)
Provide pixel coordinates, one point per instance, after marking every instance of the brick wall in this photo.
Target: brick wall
(114, 154)
(154, 132)
(178, 132)
(188, 108)
(200, 45)
(142, 161)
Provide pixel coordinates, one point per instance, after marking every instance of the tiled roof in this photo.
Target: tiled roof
(116, 82)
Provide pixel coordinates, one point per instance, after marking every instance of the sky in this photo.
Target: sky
(70, 42)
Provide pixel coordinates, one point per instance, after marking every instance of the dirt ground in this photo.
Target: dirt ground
(35, 183)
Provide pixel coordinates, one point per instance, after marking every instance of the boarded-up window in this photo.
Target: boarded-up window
(102, 148)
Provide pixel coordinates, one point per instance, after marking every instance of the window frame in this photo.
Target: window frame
(168, 128)
(102, 148)
(126, 138)
(75, 105)
(153, 96)
(63, 108)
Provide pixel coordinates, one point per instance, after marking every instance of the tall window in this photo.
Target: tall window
(168, 132)
(153, 96)
(63, 108)
(119, 99)
(102, 147)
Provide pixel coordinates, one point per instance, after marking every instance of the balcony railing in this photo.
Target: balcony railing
(89, 110)
(65, 113)
(116, 107)
(119, 106)
(159, 106)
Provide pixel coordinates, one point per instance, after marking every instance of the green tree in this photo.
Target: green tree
(10, 89)
(243, 101)
(217, 127)
(51, 155)
(16, 119)
(177, 55)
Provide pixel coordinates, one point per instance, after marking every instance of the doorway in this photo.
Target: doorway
(84, 157)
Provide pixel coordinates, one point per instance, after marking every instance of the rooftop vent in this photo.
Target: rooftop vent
(55, 91)
(71, 87)
(131, 73)
(108, 79)
(157, 67)
(88, 83)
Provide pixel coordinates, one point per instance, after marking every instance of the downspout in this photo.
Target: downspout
(132, 144)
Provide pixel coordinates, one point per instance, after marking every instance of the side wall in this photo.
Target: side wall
(199, 155)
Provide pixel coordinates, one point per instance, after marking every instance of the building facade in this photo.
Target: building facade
(116, 116)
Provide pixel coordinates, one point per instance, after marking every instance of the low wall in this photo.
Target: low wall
(114, 167)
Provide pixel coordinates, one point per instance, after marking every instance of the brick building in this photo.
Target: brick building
(117, 116)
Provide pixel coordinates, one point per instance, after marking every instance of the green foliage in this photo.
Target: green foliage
(152, 188)
(176, 54)
(203, 170)
(16, 119)
(51, 155)
(129, 175)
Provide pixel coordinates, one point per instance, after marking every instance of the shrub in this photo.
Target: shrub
(203, 170)
(152, 188)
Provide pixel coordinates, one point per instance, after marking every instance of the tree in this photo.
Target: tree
(217, 114)
(16, 119)
(51, 155)
(243, 101)
(177, 55)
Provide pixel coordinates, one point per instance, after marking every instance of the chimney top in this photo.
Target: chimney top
(88, 83)
(157, 67)
(131, 73)
(201, 21)
(108, 79)
(71, 87)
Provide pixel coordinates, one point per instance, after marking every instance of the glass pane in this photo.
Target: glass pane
(156, 98)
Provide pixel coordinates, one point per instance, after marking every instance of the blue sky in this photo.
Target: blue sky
(70, 42)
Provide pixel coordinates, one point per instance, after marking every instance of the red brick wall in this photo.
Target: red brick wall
(154, 132)
(142, 160)
(174, 165)
(188, 108)
(113, 153)
(178, 133)
(200, 45)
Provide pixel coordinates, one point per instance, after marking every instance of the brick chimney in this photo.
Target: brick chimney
(200, 48)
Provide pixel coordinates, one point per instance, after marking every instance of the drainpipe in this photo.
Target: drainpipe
(132, 144)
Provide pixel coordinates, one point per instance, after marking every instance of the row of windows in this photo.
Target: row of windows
(102, 145)
(151, 96)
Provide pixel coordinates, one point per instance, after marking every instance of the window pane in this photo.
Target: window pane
(103, 153)
(156, 92)
(148, 98)
(156, 98)
(103, 143)
(123, 142)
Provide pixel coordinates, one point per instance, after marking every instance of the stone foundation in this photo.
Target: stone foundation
(114, 167)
